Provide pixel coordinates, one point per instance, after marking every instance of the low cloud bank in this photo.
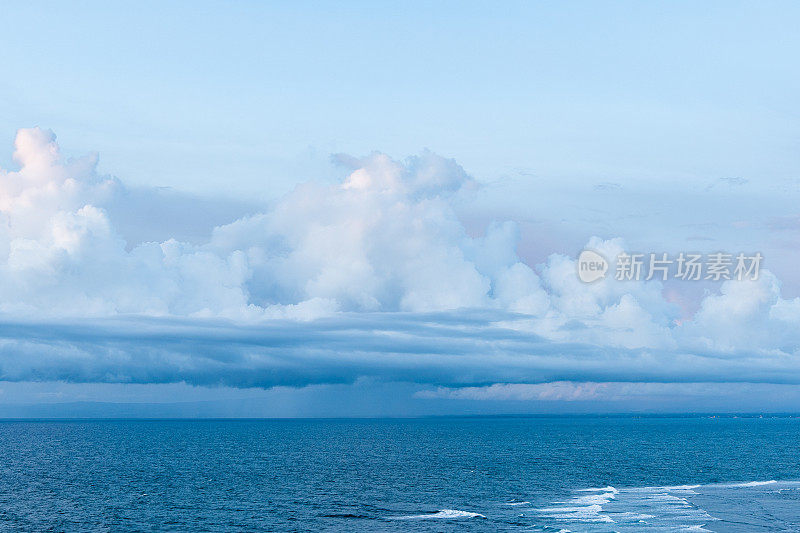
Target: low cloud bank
(453, 349)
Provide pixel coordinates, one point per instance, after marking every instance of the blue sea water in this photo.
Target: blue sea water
(439, 474)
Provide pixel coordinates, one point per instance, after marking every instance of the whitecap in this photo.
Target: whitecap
(681, 487)
(596, 499)
(750, 484)
(444, 514)
(599, 489)
(582, 513)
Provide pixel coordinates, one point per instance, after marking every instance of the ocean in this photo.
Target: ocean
(435, 474)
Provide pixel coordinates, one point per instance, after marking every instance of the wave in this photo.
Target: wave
(346, 515)
(444, 514)
(596, 499)
(600, 489)
(583, 508)
(749, 484)
(580, 513)
(681, 487)
(662, 508)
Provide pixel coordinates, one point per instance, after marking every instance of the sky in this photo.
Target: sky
(375, 209)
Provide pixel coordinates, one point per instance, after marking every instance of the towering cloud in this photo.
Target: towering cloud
(386, 239)
(373, 276)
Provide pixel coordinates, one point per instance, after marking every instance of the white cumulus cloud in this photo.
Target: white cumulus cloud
(383, 246)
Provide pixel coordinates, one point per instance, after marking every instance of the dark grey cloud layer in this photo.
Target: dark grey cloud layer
(447, 349)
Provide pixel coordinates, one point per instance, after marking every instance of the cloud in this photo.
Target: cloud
(374, 277)
(629, 392)
(449, 349)
(386, 239)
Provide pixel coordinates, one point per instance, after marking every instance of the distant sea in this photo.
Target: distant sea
(439, 474)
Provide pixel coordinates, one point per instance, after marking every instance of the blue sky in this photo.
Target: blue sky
(182, 94)
(658, 126)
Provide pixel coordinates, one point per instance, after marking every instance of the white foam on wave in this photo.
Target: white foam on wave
(659, 508)
(596, 499)
(749, 484)
(629, 509)
(517, 503)
(630, 516)
(582, 513)
(656, 490)
(681, 487)
(599, 489)
(444, 514)
(584, 508)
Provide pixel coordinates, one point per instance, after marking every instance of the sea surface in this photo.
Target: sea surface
(438, 474)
